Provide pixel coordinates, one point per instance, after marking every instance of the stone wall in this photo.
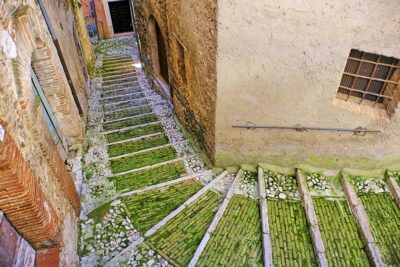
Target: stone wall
(280, 63)
(62, 19)
(40, 198)
(85, 44)
(189, 28)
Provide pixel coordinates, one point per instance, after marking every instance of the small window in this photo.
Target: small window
(370, 79)
(181, 61)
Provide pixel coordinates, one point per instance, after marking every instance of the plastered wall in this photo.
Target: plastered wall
(279, 63)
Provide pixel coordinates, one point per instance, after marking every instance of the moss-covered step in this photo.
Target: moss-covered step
(237, 239)
(290, 236)
(148, 208)
(128, 90)
(384, 218)
(130, 122)
(119, 81)
(339, 232)
(127, 113)
(179, 238)
(130, 96)
(134, 133)
(136, 146)
(124, 105)
(141, 179)
(147, 158)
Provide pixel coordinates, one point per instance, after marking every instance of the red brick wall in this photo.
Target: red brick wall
(22, 198)
(48, 257)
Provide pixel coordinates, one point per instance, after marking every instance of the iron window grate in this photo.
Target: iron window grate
(366, 79)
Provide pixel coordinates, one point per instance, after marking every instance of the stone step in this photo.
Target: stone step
(117, 61)
(120, 65)
(120, 81)
(119, 76)
(123, 91)
(111, 88)
(127, 95)
(118, 72)
(116, 57)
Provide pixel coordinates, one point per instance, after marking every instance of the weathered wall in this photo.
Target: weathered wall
(189, 28)
(84, 40)
(45, 204)
(280, 63)
(144, 11)
(61, 15)
(192, 29)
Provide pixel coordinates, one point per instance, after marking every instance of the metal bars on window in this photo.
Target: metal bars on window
(366, 77)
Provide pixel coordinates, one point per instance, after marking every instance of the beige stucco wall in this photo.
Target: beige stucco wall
(280, 63)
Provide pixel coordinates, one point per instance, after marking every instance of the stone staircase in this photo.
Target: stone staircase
(149, 200)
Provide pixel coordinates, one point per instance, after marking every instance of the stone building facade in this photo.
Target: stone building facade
(185, 70)
(43, 96)
(280, 65)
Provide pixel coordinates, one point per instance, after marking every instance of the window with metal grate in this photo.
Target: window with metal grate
(370, 79)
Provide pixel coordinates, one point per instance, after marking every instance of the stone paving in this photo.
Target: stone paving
(149, 200)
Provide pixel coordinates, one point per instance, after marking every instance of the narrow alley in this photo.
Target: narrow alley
(160, 133)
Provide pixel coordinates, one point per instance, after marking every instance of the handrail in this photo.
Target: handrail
(300, 128)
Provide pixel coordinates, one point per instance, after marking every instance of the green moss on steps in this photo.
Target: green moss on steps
(133, 103)
(98, 214)
(134, 133)
(290, 237)
(130, 122)
(150, 207)
(137, 180)
(123, 98)
(384, 218)
(135, 146)
(339, 232)
(143, 159)
(179, 238)
(127, 113)
(237, 239)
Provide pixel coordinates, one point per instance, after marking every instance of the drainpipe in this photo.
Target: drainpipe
(60, 55)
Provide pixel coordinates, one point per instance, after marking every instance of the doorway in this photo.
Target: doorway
(14, 249)
(121, 18)
(162, 54)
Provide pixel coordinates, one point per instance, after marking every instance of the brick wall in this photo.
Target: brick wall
(22, 198)
(47, 204)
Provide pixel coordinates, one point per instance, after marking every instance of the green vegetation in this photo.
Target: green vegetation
(339, 232)
(98, 214)
(135, 146)
(123, 98)
(123, 105)
(130, 122)
(137, 180)
(237, 239)
(127, 113)
(148, 208)
(137, 132)
(179, 238)
(290, 237)
(127, 90)
(143, 159)
(384, 218)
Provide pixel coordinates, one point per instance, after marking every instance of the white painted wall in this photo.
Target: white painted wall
(279, 62)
